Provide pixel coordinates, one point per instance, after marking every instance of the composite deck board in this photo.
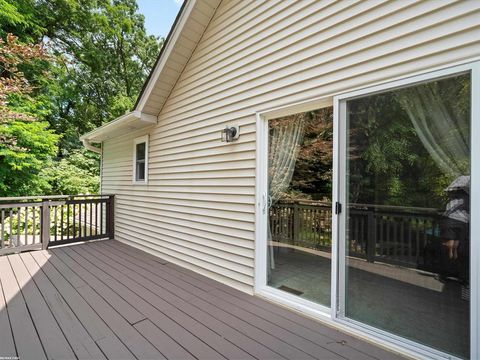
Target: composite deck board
(199, 330)
(82, 344)
(6, 339)
(90, 320)
(136, 343)
(337, 346)
(229, 333)
(266, 332)
(105, 338)
(171, 349)
(123, 307)
(24, 333)
(246, 319)
(150, 280)
(51, 336)
(341, 342)
(152, 307)
(109, 300)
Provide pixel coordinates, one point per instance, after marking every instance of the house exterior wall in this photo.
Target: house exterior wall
(198, 209)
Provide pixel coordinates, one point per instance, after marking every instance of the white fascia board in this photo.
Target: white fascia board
(127, 122)
(166, 54)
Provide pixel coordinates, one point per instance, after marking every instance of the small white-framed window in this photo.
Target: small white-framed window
(140, 160)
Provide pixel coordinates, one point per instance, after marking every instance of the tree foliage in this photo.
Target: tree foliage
(98, 58)
(104, 58)
(13, 83)
(25, 144)
(313, 168)
(73, 174)
(388, 163)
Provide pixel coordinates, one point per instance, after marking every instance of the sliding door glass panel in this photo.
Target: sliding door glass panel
(299, 217)
(408, 205)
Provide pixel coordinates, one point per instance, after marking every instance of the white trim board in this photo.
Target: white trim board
(139, 140)
(170, 46)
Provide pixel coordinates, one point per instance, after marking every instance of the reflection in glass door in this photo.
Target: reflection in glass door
(299, 205)
(407, 218)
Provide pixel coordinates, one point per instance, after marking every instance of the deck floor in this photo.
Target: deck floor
(107, 300)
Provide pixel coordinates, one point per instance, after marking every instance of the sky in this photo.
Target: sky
(159, 15)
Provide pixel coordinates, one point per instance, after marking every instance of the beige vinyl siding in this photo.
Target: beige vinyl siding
(198, 208)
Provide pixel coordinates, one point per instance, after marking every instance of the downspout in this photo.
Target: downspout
(90, 147)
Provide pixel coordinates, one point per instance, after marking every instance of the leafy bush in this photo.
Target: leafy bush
(75, 174)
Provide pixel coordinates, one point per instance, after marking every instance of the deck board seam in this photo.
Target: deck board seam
(280, 339)
(60, 292)
(221, 287)
(46, 304)
(273, 349)
(213, 304)
(186, 314)
(99, 315)
(163, 311)
(43, 291)
(28, 309)
(102, 280)
(146, 317)
(8, 317)
(217, 286)
(145, 301)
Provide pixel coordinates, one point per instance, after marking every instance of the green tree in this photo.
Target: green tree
(100, 56)
(19, 17)
(21, 165)
(73, 174)
(25, 144)
(104, 56)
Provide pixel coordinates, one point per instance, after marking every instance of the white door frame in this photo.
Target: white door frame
(333, 315)
(261, 213)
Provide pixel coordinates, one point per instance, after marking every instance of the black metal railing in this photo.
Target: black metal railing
(32, 223)
(390, 234)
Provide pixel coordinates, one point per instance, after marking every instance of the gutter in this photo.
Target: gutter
(91, 147)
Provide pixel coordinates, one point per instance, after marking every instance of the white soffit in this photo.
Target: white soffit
(179, 47)
(132, 121)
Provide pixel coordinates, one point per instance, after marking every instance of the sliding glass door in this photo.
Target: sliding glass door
(299, 205)
(396, 257)
(405, 236)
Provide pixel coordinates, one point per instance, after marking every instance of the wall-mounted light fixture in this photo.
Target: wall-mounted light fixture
(230, 133)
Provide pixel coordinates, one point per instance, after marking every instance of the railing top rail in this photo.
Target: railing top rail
(390, 208)
(305, 202)
(397, 208)
(51, 197)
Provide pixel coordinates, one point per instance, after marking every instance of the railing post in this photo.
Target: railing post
(111, 216)
(371, 235)
(45, 221)
(296, 224)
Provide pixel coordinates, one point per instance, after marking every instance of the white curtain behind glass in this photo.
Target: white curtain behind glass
(443, 131)
(284, 145)
(285, 138)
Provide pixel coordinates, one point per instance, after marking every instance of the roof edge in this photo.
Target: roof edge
(123, 121)
(165, 51)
